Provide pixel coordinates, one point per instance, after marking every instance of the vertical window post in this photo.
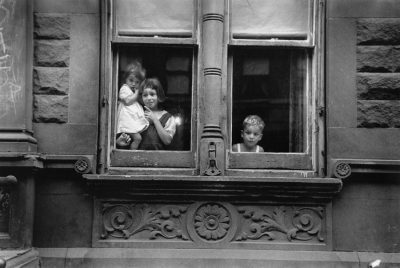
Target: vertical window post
(211, 144)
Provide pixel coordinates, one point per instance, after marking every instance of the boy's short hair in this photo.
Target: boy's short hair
(136, 69)
(253, 120)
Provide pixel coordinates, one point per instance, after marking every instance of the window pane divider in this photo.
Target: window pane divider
(153, 40)
(156, 33)
(285, 36)
(272, 43)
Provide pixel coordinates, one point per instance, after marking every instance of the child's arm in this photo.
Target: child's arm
(131, 98)
(162, 133)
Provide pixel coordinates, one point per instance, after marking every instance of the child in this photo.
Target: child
(130, 118)
(253, 127)
(162, 124)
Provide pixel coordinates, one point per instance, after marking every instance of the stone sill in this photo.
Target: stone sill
(229, 187)
(47, 161)
(20, 258)
(177, 258)
(342, 168)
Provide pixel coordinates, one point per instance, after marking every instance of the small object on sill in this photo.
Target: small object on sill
(374, 264)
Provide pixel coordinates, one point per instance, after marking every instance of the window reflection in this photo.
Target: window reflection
(271, 83)
(173, 68)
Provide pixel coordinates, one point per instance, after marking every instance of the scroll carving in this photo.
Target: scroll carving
(5, 207)
(124, 221)
(4, 201)
(212, 222)
(305, 223)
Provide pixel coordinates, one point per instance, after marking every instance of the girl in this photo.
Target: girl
(162, 124)
(130, 117)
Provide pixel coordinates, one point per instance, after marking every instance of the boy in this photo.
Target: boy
(253, 127)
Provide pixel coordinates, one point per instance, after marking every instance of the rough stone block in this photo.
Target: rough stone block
(378, 31)
(378, 86)
(51, 80)
(50, 109)
(378, 59)
(178, 64)
(384, 114)
(52, 53)
(52, 26)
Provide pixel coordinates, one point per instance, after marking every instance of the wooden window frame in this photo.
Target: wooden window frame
(310, 163)
(117, 162)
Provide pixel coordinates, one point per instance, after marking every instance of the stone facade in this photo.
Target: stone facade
(51, 67)
(378, 68)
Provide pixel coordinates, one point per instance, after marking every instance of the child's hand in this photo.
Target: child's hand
(126, 137)
(149, 115)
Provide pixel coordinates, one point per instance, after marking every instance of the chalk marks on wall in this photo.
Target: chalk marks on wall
(10, 88)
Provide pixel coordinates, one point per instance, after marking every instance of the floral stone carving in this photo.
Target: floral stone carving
(123, 221)
(212, 222)
(305, 223)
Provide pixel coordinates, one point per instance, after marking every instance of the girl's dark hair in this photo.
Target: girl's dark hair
(134, 68)
(155, 84)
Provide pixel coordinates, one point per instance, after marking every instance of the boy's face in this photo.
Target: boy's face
(132, 81)
(251, 135)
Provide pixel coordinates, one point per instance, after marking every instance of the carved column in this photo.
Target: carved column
(18, 158)
(211, 144)
(16, 77)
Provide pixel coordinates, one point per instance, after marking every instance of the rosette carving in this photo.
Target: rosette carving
(342, 170)
(124, 221)
(212, 222)
(304, 223)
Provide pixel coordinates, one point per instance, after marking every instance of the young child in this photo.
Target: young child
(253, 127)
(162, 124)
(130, 117)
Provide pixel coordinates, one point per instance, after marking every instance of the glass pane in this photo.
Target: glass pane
(172, 66)
(271, 83)
(154, 17)
(287, 19)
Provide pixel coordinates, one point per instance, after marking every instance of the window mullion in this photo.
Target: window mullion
(211, 144)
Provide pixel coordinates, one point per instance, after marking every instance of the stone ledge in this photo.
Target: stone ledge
(217, 187)
(21, 258)
(342, 168)
(196, 258)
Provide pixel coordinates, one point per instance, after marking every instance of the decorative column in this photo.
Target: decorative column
(18, 148)
(16, 77)
(212, 147)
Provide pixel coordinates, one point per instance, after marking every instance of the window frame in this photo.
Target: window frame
(115, 162)
(306, 162)
(117, 159)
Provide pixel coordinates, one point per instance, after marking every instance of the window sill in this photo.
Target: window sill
(227, 188)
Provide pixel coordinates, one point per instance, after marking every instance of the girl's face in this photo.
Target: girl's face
(132, 81)
(150, 98)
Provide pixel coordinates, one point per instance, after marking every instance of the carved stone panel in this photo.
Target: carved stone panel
(5, 204)
(211, 225)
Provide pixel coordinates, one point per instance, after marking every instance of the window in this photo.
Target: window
(219, 61)
(272, 66)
